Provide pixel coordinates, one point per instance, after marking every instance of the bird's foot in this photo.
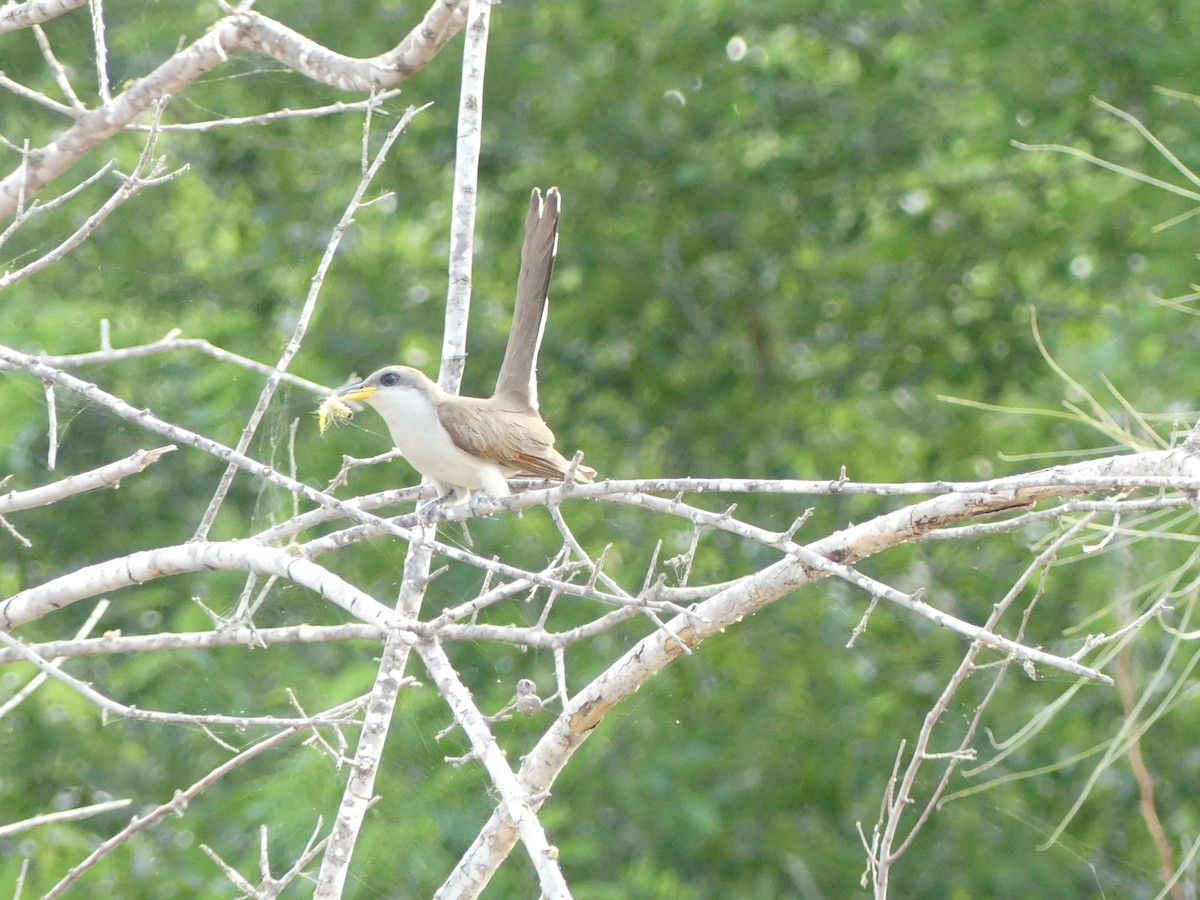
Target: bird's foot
(426, 510)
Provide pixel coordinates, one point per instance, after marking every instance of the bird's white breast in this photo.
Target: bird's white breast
(424, 441)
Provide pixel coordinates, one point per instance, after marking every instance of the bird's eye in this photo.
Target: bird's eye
(389, 378)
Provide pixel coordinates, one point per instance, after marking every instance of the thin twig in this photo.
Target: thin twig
(56, 68)
(38, 680)
(108, 476)
(134, 713)
(144, 175)
(302, 322)
(66, 815)
(181, 798)
(279, 115)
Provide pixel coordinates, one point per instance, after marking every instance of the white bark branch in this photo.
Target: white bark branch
(34, 683)
(108, 705)
(335, 866)
(147, 173)
(304, 317)
(147, 565)
(15, 16)
(516, 804)
(171, 343)
(590, 706)
(244, 31)
(181, 798)
(108, 476)
(465, 196)
(200, 640)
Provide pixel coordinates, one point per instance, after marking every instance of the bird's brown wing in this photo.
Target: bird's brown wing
(514, 439)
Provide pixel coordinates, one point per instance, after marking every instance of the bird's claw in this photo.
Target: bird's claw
(426, 510)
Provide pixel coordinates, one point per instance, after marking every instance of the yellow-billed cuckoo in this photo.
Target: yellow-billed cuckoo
(463, 444)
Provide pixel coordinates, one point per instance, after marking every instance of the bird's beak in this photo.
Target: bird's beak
(357, 392)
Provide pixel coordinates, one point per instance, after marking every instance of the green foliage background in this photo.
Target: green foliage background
(788, 228)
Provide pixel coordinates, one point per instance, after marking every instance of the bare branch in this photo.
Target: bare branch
(301, 326)
(15, 16)
(20, 696)
(56, 68)
(28, 93)
(38, 208)
(145, 174)
(590, 706)
(240, 31)
(279, 115)
(516, 803)
(108, 705)
(172, 343)
(390, 680)
(66, 815)
(360, 784)
(899, 798)
(465, 193)
(181, 798)
(200, 640)
(101, 44)
(51, 427)
(108, 476)
(146, 565)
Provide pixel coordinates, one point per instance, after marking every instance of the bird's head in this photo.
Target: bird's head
(390, 381)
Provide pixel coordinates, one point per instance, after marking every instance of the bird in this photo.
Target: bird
(469, 444)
